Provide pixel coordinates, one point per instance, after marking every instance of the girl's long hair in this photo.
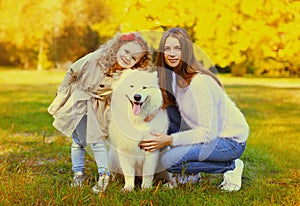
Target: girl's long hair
(107, 52)
(189, 66)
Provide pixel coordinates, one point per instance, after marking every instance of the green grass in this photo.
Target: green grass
(35, 164)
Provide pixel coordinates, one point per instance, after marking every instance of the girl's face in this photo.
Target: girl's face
(172, 52)
(129, 54)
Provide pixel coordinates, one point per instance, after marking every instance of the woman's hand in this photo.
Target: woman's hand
(157, 142)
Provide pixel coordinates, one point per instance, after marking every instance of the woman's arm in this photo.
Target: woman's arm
(200, 111)
(157, 142)
(203, 113)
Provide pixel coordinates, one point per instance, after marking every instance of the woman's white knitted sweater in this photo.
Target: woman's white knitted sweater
(210, 113)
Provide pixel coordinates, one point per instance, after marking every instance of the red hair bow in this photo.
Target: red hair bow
(128, 37)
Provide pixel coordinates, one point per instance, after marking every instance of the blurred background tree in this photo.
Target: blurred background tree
(260, 37)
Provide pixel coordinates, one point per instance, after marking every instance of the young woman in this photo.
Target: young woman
(83, 99)
(207, 132)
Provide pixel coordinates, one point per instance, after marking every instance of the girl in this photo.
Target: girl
(83, 99)
(213, 132)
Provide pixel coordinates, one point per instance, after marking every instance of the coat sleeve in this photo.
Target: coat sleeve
(65, 88)
(76, 68)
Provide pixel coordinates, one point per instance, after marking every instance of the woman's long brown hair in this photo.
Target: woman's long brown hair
(189, 66)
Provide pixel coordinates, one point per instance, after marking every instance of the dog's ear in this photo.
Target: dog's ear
(121, 77)
(155, 73)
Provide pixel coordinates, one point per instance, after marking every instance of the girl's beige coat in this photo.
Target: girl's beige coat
(79, 94)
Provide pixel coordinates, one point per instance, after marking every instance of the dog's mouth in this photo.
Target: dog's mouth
(136, 104)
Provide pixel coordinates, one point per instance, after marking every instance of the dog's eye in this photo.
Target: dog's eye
(144, 87)
(131, 86)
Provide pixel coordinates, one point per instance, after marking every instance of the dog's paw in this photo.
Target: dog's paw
(126, 190)
(146, 186)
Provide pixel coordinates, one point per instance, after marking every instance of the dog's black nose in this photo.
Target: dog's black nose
(137, 97)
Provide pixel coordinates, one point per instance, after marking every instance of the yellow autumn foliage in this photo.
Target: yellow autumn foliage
(261, 37)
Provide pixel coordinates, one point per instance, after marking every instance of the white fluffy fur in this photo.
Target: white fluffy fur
(126, 129)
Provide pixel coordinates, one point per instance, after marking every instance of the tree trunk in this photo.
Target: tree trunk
(40, 56)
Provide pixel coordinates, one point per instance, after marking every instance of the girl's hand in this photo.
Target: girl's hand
(157, 142)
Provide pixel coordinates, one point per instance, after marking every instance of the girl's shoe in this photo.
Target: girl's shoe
(78, 179)
(233, 178)
(101, 184)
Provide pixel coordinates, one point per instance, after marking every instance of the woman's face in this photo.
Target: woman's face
(129, 54)
(172, 52)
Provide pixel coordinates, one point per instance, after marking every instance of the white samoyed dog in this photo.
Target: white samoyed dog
(135, 113)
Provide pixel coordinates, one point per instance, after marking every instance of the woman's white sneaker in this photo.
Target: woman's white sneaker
(189, 178)
(176, 180)
(171, 184)
(233, 178)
